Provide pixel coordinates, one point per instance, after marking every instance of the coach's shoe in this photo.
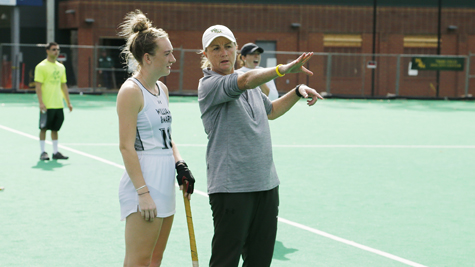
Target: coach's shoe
(58, 155)
(44, 156)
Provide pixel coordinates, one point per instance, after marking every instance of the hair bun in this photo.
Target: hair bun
(141, 23)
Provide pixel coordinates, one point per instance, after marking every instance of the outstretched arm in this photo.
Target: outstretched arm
(256, 77)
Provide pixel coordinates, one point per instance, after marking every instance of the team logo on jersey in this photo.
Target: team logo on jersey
(56, 75)
(163, 111)
(164, 114)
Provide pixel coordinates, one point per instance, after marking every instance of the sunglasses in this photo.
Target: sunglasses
(54, 49)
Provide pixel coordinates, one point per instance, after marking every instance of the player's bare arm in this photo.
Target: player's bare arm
(39, 94)
(64, 88)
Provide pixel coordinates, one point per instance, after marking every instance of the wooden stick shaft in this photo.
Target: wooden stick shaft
(191, 232)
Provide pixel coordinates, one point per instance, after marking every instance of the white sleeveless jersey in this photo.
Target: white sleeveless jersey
(153, 122)
(155, 155)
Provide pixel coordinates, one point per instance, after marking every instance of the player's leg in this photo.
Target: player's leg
(54, 141)
(140, 239)
(232, 214)
(56, 125)
(259, 247)
(57, 118)
(43, 125)
(42, 139)
(56, 122)
(161, 244)
(43, 153)
(54, 135)
(43, 134)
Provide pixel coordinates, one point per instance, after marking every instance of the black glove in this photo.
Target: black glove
(184, 174)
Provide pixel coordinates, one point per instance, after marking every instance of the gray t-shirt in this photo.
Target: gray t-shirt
(239, 153)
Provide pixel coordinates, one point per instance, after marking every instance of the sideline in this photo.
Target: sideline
(300, 226)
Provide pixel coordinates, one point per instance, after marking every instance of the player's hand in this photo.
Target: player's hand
(148, 210)
(70, 107)
(184, 178)
(296, 66)
(308, 92)
(42, 108)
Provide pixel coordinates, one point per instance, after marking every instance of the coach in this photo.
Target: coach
(242, 180)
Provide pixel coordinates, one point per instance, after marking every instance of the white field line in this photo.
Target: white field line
(301, 226)
(309, 146)
(64, 147)
(351, 243)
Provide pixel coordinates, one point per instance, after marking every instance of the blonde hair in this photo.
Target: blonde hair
(240, 62)
(204, 60)
(137, 29)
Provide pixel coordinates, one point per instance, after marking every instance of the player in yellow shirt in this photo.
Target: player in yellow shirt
(51, 88)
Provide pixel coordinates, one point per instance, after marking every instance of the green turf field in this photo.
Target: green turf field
(363, 183)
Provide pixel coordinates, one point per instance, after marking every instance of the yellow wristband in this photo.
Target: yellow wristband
(277, 71)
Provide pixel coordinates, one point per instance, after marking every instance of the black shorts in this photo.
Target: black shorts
(52, 119)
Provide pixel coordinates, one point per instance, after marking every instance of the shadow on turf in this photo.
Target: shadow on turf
(48, 165)
(280, 251)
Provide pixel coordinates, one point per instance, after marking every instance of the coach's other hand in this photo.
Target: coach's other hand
(307, 92)
(297, 66)
(185, 177)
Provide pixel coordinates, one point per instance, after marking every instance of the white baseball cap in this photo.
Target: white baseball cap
(214, 32)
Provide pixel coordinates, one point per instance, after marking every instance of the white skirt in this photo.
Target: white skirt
(159, 173)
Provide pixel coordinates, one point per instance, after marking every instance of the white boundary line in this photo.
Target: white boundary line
(310, 146)
(351, 243)
(65, 147)
(298, 225)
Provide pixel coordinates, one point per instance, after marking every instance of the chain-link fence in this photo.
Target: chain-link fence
(88, 68)
(99, 69)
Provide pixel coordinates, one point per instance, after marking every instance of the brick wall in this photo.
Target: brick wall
(185, 23)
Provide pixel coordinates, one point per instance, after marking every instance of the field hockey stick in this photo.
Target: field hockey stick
(189, 220)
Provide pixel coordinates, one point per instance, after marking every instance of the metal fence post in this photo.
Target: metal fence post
(398, 73)
(94, 68)
(1, 65)
(364, 75)
(329, 72)
(467, 74)
(182, 63)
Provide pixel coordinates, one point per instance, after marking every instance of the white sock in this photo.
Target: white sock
(42, 146)
(55, 146)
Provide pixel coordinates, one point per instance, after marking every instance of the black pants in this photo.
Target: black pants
(244, 224)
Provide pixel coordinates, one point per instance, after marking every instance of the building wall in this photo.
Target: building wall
(185, 23)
